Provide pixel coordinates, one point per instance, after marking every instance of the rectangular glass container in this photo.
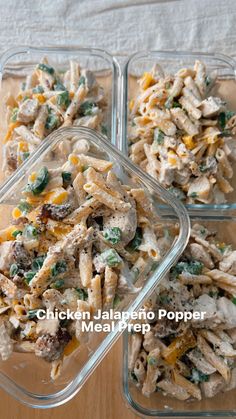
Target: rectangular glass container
(17, 63)
(25, 376)
(157, 405)
(171, 62)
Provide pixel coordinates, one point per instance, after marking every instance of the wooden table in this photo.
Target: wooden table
(100, 398)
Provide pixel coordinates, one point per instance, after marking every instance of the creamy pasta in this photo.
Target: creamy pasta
(191, 359)
(183, 135)
(47, 100)
(79, 241)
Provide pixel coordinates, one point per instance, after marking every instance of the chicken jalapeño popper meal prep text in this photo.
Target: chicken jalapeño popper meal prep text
(183, 134)
(48, 99)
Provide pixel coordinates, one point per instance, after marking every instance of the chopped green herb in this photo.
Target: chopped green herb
(224, 117)
(66, 177)
(16, 232)
(112, 235)
(222, 120)
(84, 168)
(167, 85)
(51, 122)
(234, 300)
(59, 267)
(25, 155)
(152, 361)
(164, 299)
(208, 80)
(176, 104)
(194, 267)
(87, 108)
(83, 295)
(116, 301)
(46, 68)
(81, 81)
(14, 269)
(193, 195)
(30, 231)
(41, 181)
(229, 115)
(32, 313)
(29, 276)
(38, 263)
(214, 294)
(38, 89)
(137, 240)
(198, 376)
(63, 99)
(159, 136)
(14, 114)
(25, 98)
(58, 284)
(24, 206)
(203, 168)
(111, 257)
(225, 133)
(133, 124)
(59, 86)
(23, 86)
(104, 130)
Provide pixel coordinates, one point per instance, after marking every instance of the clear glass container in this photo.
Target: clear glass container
(25, 376)
(157, 405)
(225, 69)
(17, 63)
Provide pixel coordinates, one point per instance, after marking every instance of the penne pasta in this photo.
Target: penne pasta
(178, 133)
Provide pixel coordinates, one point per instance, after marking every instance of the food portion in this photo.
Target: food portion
(192, 359)
(80, 239)
(183, 134)
(49, 99)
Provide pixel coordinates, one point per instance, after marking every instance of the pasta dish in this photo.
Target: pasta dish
(194, 359)
(47, 100)
(181, 133)
(80, 239)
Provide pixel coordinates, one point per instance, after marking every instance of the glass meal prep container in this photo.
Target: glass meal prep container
(159, 405)
(18, 63)
(225, 87)
(27, 377)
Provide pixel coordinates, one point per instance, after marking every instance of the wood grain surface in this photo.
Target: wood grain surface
(100, 398)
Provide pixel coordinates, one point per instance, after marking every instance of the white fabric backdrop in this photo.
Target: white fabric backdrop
(121, 25)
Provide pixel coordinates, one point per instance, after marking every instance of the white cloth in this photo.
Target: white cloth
(121, 25)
